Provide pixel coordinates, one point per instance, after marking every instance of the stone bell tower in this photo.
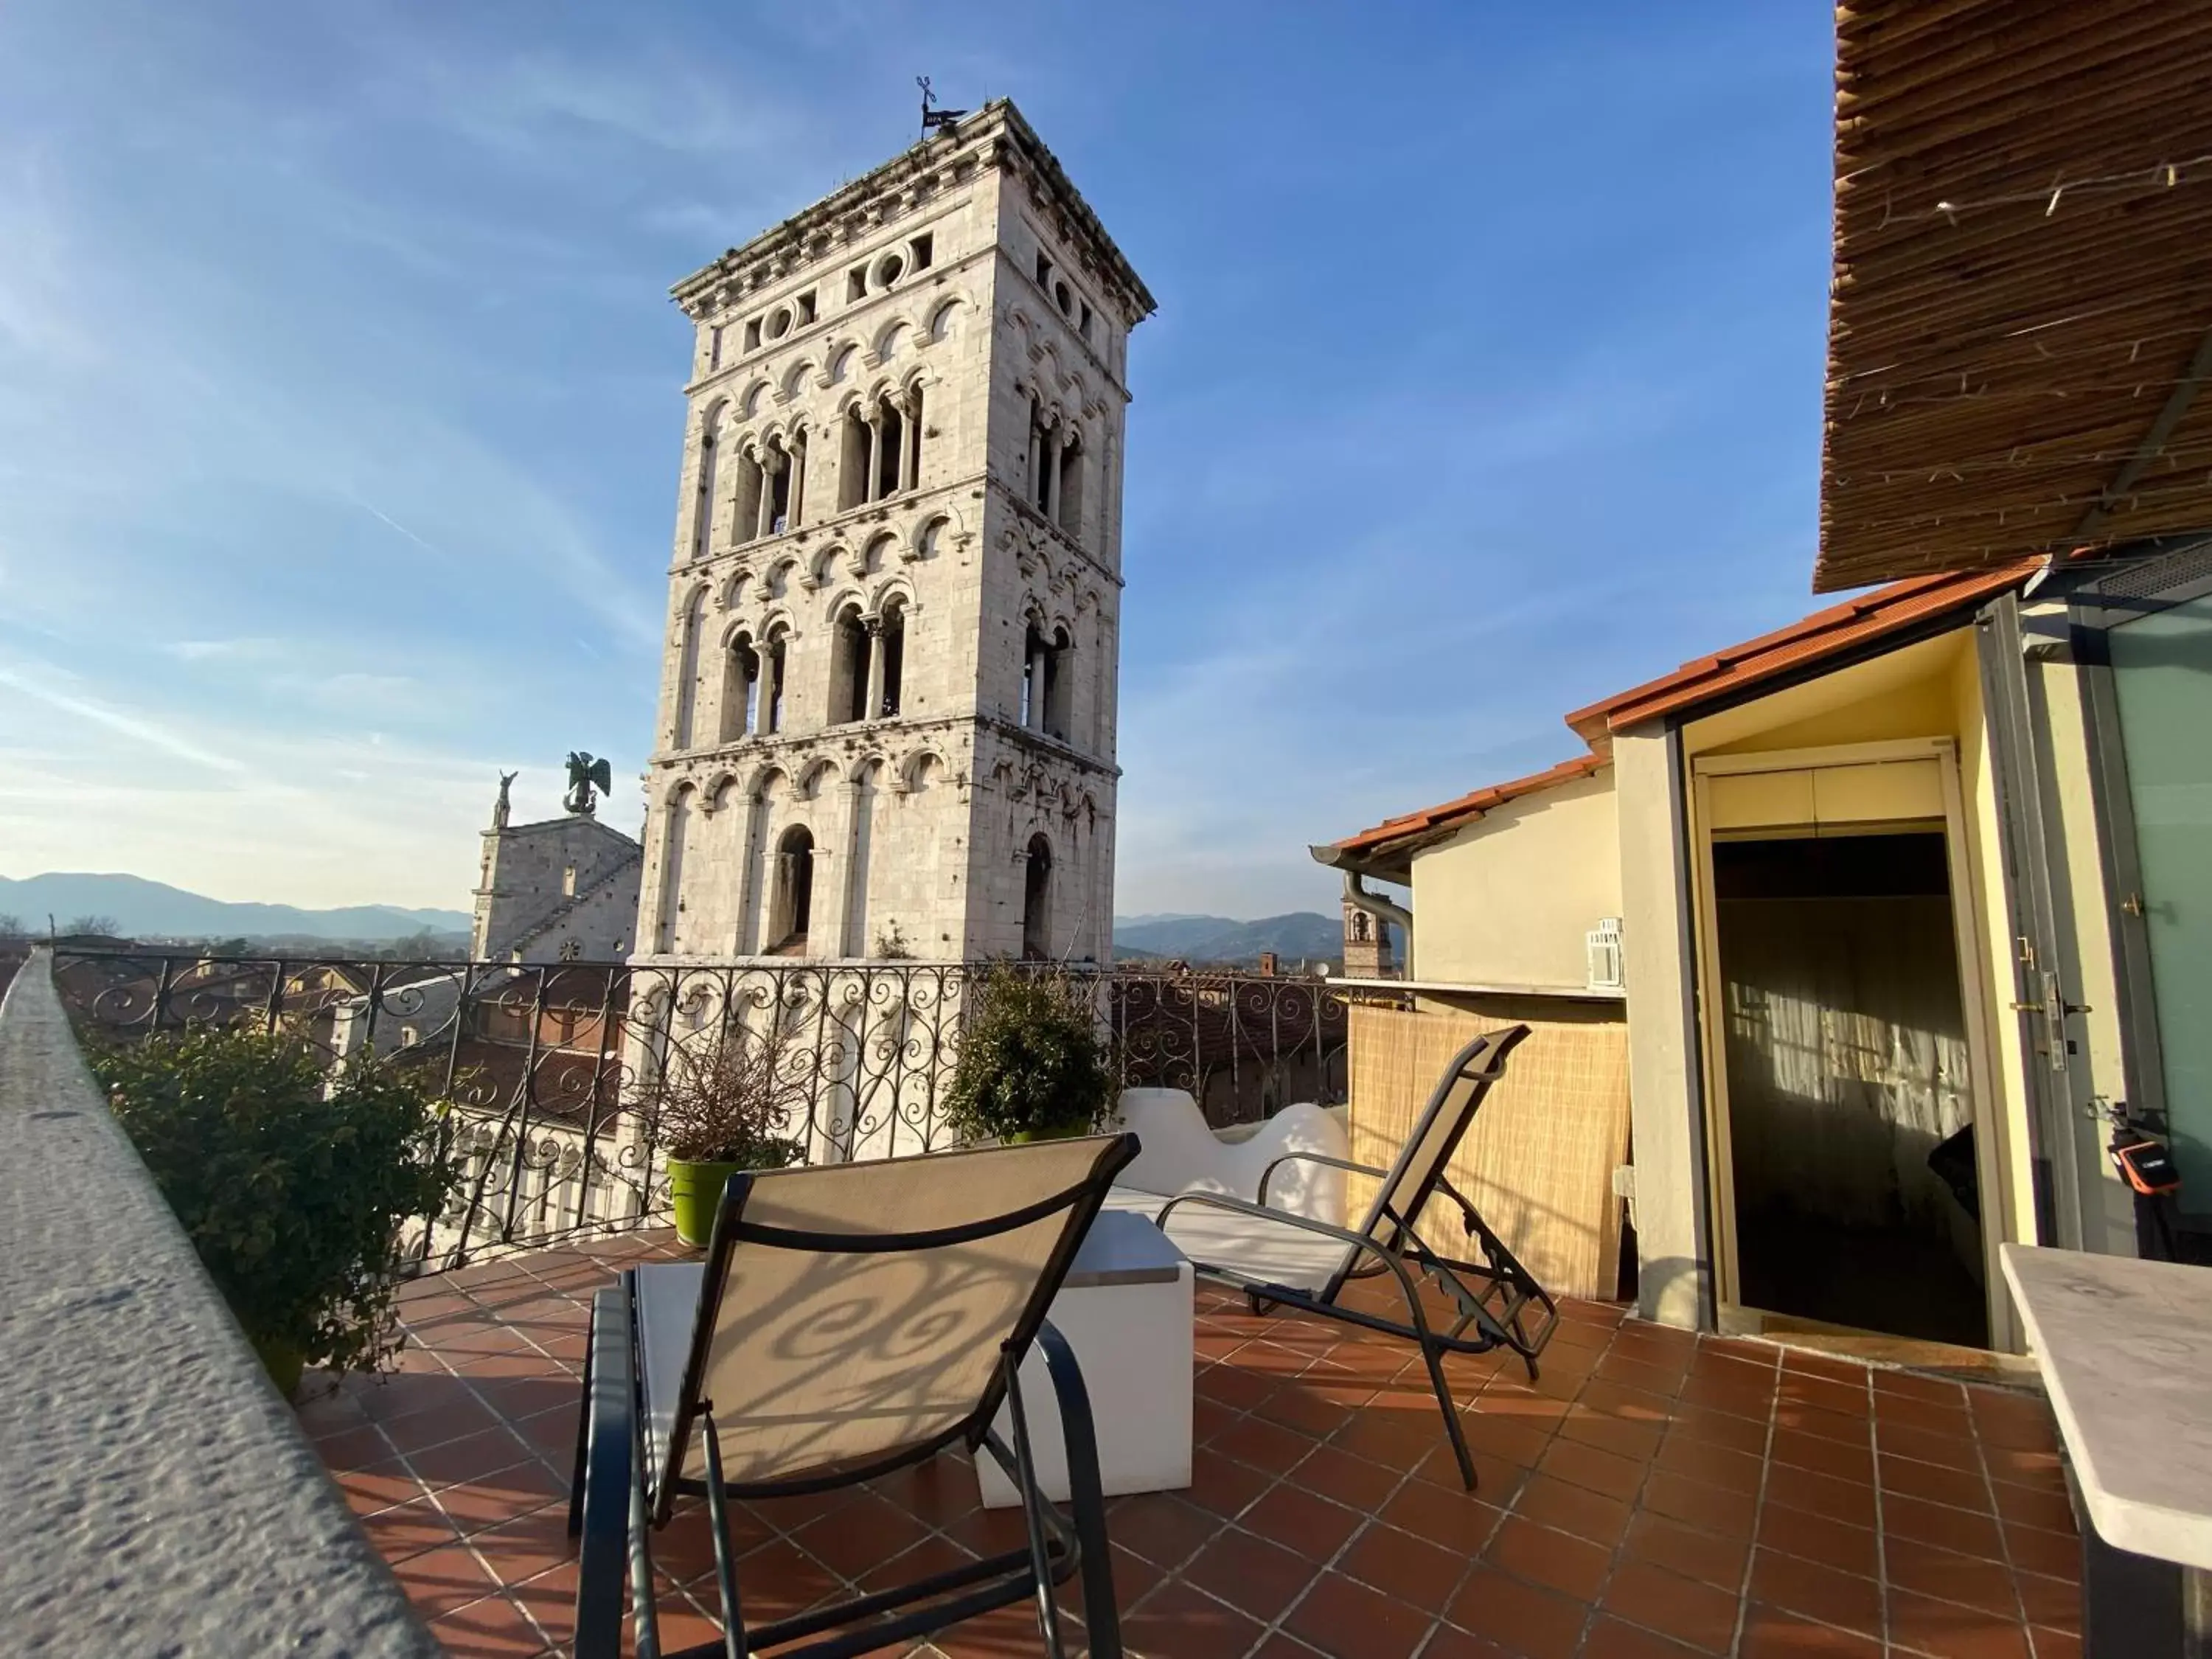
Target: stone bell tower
(888, 699)
(1366, 946)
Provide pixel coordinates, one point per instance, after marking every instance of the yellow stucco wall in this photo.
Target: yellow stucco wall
(1905, 693)
(1511, 900)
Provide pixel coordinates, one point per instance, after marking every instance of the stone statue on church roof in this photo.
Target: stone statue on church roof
(585, 771)
(499, 808)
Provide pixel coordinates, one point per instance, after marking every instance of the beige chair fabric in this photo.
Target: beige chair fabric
(1539, 1161)
(1398, 1194)
(820, 1360)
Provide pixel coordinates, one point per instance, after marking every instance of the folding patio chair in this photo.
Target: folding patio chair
(1277, 1257)
(847, 1321)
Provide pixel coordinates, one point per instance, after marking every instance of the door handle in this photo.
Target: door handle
(2054, 1008)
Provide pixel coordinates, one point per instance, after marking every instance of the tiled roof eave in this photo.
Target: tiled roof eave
(1887, 614)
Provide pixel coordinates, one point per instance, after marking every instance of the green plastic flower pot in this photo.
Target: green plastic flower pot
(695, 1193)
(1050, 1132)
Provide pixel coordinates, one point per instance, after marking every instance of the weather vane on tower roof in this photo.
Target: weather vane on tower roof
(934, 120)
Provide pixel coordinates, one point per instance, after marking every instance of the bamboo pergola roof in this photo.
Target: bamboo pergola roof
(2022, 303)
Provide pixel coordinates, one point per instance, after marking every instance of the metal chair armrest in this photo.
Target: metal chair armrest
(1268, 1174)
(610, 1474)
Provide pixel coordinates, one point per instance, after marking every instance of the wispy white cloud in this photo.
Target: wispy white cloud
(137, 728)
(221, 805)
(222, 650)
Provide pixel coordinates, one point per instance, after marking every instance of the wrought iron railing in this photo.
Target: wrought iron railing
(543, 1063)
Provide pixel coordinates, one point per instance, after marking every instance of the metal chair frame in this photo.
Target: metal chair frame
(1499, 1277)
(616, 1499)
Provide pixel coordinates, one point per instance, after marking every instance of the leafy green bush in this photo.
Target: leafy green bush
(291, 1185)
(1031, 1061)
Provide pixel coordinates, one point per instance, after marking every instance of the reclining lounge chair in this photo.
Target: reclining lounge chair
(1280, 1258)
(847, 1321)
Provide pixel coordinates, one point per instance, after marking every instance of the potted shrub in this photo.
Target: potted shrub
(292, 1182)
(1032, 1065)
(720, 1105)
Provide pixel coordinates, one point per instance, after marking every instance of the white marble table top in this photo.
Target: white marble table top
(1123, 1249)
(2126, 1348)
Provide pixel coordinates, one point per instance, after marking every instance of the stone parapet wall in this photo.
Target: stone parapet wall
(161, 1497)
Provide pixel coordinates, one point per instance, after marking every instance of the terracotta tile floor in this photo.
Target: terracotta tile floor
(1654, 1494)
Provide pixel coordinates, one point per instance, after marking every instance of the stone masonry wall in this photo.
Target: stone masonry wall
(925, 276)
(524, 898)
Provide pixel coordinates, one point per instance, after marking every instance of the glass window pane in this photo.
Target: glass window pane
(2163, 674)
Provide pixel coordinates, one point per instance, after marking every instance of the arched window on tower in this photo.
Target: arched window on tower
(1059, 686)
(892, 647)
(793, 509)
(858, 443)
(848, 668)
(1046, 682)
(775, 490)
(1032, 710)
(1036, 473)
(745, 508)
(741, 689)
(770, 715)
(891, 450)
(880, 449)
(1068, 489)
(1037, 900)
(911, 471)
(791, 903)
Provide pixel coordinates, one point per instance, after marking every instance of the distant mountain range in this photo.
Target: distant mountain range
(153, 909)
(1300, 936)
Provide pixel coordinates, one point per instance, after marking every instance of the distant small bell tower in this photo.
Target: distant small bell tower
(1366, 946)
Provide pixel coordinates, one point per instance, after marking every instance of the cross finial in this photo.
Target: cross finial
(933, 119)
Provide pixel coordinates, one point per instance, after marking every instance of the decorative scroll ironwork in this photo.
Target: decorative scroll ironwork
(549, 1067)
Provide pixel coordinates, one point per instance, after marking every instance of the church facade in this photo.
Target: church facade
(559, 890)
(886, 724)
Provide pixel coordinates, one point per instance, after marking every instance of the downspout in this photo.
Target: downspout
(1356, 895)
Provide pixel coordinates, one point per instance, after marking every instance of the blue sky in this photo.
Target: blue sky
(340, 394)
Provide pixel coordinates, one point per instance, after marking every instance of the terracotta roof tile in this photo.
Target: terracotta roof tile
(1468, 808)
(1825, 633)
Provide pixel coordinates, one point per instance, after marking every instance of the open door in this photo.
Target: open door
(1848, 1170)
